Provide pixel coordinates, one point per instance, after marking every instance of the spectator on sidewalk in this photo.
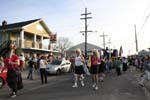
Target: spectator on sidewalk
(108, 65)
(22, 62)
(125, 66)
(38, 61)
(30, 67)
(118, 65)
(43, 73)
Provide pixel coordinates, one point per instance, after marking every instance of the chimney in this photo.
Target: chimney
(4, 23)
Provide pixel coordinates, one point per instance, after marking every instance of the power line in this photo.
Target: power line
(146, 9)
(147, 17)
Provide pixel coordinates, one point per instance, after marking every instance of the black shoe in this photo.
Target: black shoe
(13, 94)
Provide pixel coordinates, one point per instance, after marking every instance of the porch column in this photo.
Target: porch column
(34, 42)
(21, 39)
(50, 46)
(41, 44)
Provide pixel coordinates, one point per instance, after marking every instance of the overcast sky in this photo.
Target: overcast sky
(114, 17)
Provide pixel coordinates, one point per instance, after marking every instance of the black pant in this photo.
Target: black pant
(118, 70)
(12, 79)
(43, 75)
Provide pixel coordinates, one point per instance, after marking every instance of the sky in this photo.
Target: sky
(116, 18)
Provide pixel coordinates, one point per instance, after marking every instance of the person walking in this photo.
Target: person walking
(118, 65)
(22, 62)
(79, 70)
(30, 67)
(146, 69)
(95, 64)
(12, 63)
(102, 70)
(43, 73)
(125, 65)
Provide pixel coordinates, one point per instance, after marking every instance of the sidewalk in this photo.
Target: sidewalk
(146, 87)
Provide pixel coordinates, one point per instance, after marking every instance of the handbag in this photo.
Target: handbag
(86, 70)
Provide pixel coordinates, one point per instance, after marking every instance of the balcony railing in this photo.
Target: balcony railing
(31, 44)
(28, 44)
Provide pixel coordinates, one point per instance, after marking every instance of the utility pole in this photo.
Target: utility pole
(103, 39)
(136, 40)
(109, 48)
(86, 30)
(109, 43)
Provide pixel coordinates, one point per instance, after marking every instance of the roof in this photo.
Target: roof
(41, 50)
(144, 53)
(90, 47)
(18, 25)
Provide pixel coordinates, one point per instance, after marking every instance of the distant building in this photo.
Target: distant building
(143, 53)
(27, 35)
(90, 47)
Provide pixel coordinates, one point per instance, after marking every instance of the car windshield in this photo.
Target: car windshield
(56, 62)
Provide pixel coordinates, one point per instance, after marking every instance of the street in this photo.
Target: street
(114, 87)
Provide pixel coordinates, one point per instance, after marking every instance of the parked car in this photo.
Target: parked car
(3, 76)
(58, 67)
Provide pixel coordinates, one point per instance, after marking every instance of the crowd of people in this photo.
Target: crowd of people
(143, 65)
(97, 66)
(15, 64)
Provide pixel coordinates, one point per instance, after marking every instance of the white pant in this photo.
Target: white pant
(146, 76)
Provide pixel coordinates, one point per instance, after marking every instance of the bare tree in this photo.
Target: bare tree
(63, 44)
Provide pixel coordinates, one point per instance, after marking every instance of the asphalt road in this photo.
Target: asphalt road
(114, 87)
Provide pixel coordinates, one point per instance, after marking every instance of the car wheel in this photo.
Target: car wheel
(1, 82)
(58, 72)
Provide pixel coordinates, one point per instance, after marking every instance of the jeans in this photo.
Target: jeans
(30, 73)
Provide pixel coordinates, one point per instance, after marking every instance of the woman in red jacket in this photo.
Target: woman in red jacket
(11, 64)
(95, 62)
